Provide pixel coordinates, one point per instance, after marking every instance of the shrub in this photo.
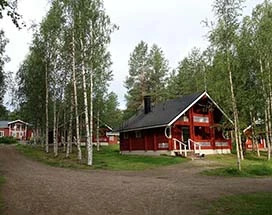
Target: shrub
(7, 140)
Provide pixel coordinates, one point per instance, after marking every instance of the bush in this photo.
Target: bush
(7, 140)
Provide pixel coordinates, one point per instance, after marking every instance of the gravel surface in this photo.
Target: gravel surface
(34, 188)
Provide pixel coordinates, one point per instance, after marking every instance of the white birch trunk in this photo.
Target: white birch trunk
(63, 142)
(254, 137)
(90, 147)
(55, 130)
(64, 131)
(267, 111)
(89, 142)
(79, 156)
(97, 133)
(46, 109)
(35, 136)
(69, 137)
(235, 115)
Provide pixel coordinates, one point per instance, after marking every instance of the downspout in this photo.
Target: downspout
(169, 137)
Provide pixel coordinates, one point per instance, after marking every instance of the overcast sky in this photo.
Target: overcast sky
(174, 25)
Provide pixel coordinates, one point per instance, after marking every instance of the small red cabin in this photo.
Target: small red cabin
(17, 129)
(192, 123)
(106, 136)
(260, 139)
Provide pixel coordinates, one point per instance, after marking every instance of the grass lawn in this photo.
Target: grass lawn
(246, 204)
(107, 158)
(252, 166)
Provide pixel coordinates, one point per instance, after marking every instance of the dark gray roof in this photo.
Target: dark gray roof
(161, 114)
(4, 124)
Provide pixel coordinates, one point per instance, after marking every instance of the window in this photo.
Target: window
(202, 119)
(138, 134)
(163, 145)
(2, 134)
(184, 118)
(125, 135)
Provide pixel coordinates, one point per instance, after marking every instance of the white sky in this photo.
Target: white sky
(174, 25)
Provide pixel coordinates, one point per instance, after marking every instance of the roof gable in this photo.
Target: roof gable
(166, 113)
(5, 123)
(161, 115)
(18, 121)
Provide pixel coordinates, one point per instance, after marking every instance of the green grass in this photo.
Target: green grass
(252, 166)
(245, 204)
(2, 181)
(107, 158)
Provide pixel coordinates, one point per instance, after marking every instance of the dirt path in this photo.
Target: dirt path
(34, 188)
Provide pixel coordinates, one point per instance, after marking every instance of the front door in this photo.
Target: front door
(185, 134)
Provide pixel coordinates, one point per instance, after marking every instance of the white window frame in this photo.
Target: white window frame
(138, 134)
(201, 119)
(2, 133)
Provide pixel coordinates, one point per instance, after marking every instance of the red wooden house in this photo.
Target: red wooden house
(17, 129)
(106, 136)
(260, 138)
(192, 123)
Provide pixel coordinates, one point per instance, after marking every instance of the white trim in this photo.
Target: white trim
(149, 152)
(108, 126)
(186, 109)
(172, 153)
(248, 127)
(3, 133)
(219, 107)
(143, 128)
(193, 103)
(111, 133)
(18, 120)
(221, 144)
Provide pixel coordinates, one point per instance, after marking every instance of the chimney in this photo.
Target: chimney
(147, 104)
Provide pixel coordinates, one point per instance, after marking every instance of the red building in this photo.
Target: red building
(17, 129)
(192, 123)
(260, 138)
(106, 136)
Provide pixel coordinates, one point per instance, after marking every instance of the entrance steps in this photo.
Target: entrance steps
(190, 154)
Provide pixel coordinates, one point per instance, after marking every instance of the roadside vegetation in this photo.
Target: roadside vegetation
(254, 203)
(107, 158)
(7, 140)
(253, 166)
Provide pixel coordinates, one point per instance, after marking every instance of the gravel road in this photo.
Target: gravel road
(34, 188)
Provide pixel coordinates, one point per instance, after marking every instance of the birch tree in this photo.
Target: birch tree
(3, 60)
(261, 29)
(223, 38)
